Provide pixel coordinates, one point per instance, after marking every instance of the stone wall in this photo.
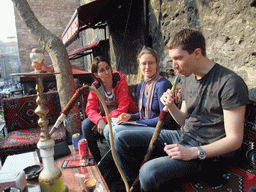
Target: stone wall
(228, 26)
(54, 15)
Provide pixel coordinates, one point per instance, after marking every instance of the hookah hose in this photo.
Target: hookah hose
(67, 109)
(112, 139)
(162, 117)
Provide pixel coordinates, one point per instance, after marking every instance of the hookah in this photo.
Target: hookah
(50, 179)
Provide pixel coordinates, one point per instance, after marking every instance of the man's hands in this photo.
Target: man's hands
(179, 152)
(168, 98)
(101, 125)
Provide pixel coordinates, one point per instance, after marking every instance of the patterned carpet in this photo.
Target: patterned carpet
(237, 180)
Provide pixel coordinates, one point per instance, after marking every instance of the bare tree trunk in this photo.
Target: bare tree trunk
(59, 56)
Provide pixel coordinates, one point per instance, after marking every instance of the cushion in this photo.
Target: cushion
(28, 138)
(19, 111)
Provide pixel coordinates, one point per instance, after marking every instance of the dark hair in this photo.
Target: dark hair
(95, 65)
(51, 85)
(147, 50)
(31, 91)
(189, 39)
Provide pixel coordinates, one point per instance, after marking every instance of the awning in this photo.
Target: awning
(87, 49)
(91, 15)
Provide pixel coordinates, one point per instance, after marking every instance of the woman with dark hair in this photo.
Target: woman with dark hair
(114, 89)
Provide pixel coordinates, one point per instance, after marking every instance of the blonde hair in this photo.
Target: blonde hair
(147, 50)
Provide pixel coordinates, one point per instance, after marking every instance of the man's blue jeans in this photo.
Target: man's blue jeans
(158, 173)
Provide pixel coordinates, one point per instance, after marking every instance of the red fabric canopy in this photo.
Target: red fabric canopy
(84, 48)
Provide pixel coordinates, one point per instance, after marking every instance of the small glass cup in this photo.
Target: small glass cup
(90, 184)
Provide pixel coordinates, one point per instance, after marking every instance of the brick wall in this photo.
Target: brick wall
(54, 15)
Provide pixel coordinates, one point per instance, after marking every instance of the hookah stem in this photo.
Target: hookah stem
(176, 81)
(162, 117)
(68, 107)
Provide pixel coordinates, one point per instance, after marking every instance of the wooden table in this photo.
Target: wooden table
(73, 177)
